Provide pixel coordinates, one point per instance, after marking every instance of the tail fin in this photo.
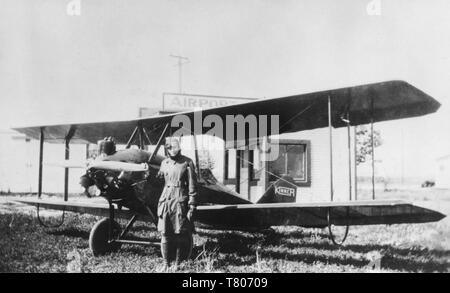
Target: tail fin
(282, 190)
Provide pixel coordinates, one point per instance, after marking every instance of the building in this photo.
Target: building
(304, 156)
(19, 161)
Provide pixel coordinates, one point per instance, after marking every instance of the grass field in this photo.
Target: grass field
(25, 246)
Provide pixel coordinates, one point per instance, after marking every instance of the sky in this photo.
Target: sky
(113, 58)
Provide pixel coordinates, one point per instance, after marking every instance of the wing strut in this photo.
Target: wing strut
(330, 131)
(159, 143)
(347, 121)
(197, 161)
(355, 143)
(41, 159)
(373, 150)
(69, 136)
(141, 136)
(349, 158)
(131, 139)
(139, 131)
(146, 135)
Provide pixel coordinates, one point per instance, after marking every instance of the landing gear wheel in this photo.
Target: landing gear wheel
(99, 236)
(330, 231)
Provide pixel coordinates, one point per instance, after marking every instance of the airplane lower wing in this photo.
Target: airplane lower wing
(248, 216)
(311, 215)
(96, 209)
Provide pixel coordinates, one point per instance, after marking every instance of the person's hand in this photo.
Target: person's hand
(190, 213)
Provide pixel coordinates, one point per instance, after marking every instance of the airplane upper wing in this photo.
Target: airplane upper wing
(381, 101)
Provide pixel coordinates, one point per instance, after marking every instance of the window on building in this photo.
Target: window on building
(293, 161)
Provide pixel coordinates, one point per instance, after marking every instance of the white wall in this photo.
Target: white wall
(320, 164)
(19, 165)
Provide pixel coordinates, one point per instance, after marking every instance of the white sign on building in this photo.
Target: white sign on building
(183, 102)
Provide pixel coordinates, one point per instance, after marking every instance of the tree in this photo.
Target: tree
(364, 143)
(206, 161)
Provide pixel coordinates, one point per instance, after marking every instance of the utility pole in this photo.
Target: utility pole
(181, 61)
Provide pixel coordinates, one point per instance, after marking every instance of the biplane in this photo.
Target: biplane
(220, 207)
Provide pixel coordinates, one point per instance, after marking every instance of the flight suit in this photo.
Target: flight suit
(179, 193)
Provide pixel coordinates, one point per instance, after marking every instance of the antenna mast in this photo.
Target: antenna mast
(181, 61)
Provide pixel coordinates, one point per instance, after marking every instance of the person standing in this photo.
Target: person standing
(177, 204)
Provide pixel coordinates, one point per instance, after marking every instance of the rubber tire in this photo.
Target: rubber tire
(98, 238)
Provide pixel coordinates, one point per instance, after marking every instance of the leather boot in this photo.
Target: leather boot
(184, 247)
(179, 252)
(168, 246)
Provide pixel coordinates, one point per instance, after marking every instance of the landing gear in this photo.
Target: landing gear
(107, 236)
(333, 237)
(99, 238)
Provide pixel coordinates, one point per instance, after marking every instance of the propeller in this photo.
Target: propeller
(118, 166)
(102, 165)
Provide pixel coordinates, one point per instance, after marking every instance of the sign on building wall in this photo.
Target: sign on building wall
(185, 102)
